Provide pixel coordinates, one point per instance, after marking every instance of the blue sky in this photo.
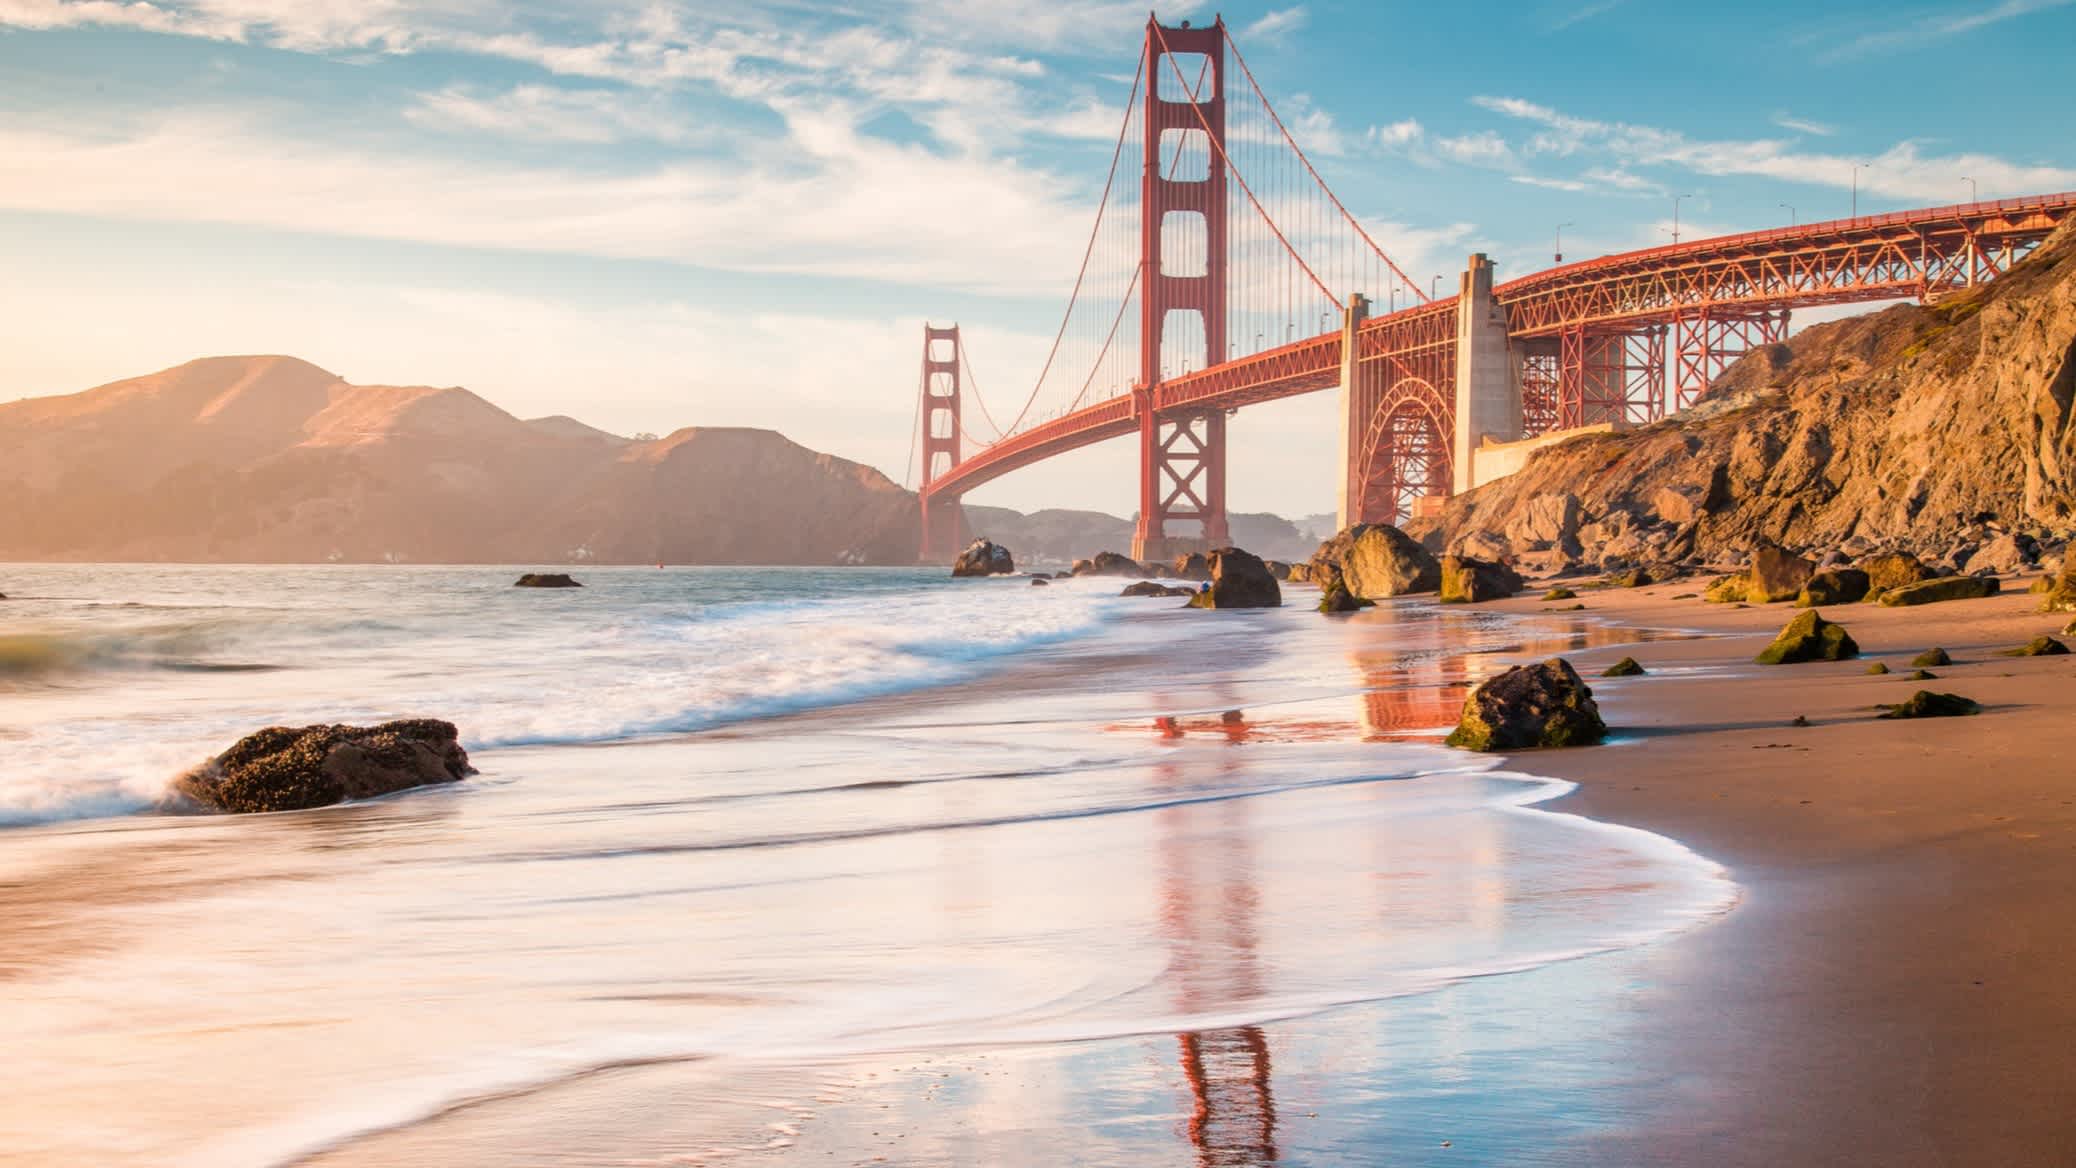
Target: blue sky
(650, 215)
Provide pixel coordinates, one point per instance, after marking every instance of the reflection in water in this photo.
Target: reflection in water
(1214, 962)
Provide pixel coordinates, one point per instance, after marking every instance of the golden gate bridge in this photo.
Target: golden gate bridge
(1230, 274)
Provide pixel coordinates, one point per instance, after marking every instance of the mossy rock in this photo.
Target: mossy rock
(1732, 589)
(285, 768)
(1560, 593)
(1472, 581)
(1542, 705)
(1339, 599)
(1626, 667)
(2040, 646)
(1809, 637)
(1835, 586)
(1940, 590)
(1892, 570)
(2043, 585)
(1877, 669)
(1931, 657)
(1923, 675)
(1926, 704)
(1633, 578)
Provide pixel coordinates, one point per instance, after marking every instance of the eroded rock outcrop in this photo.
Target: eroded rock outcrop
(286, 768)
(1944, 588)
(1937, 430)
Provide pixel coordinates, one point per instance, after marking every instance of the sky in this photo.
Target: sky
(650, 215)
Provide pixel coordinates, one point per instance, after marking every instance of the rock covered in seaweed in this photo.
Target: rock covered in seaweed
(1927, 704)
(1942, 589)
(1469, 581)
(1546, 704)
(2040, 646)
(1809, 637)
(1626, 667)
(284, 768)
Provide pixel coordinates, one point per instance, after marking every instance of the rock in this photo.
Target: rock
(1081, 568)
(1800, 720)
(545, 580)
(1892, 570)
(1238, 580)
(286, 768)
(1483, 545)
(1560, 593)
(1777, 574)
(1191, 566)
(1834, 586)
(1110, 564)
(1942, 589)
(1877, 669)
(1678, 505)
(1728, 589)
(1154, 588)
(1809, 637)
(1529, 706)
(2041, 646)
(1570, 608)
(1923, 675)
(1926, 704)
(2004, 553)
(1469, 581)
(2062, 597)
(1039, 581)
(2069, 630)
(1375, 561)
(1299, 573)
(1544, 521)
(1339, 599)
(1626, 667)
(2042, 586)
(1931, 657)
(1632, 578)
(984, 558)
(1278, 569)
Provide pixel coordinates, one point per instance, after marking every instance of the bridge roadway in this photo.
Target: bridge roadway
(1587, 342)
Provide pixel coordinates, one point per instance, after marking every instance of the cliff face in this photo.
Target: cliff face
(1925, 429)
(270, 459)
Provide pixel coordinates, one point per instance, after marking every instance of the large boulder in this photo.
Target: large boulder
(1110, 564)
(1375, 561)
(286, 768)
(1238, 580)
(1529, 706)
(1944, 588)
(1278, 569)
(1777, 574)
(2061, 596)
(1191, 566)
(1833, 586)
(1809, 637)
(1892, 570)
(1339, 599)
(546, 580)
(984, 558)
(2004, 553)
(1469, 581)
(1733, 589)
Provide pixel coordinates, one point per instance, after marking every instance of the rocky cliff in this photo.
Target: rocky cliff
(271, 459)
(1934, 429)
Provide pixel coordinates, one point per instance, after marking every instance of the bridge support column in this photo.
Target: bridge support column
(1181, 477)
(942, 517)
(1356, 407)
(1488, 396)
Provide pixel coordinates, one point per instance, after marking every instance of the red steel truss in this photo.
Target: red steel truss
(1632, 336)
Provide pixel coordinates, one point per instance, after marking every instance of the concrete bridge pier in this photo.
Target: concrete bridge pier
(1488, 385)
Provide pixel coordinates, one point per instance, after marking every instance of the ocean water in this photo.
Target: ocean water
(771, 827)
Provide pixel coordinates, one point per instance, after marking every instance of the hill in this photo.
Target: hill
(272, 459)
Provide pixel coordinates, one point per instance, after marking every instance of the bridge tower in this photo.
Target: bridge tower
(943, 520)
(1181, 452)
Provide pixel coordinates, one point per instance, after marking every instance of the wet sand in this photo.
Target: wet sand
(1894, 988)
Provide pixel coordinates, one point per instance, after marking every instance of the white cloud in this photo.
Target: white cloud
(1936, 29)
(1275, 26)
(1395, 135)
(1584, 13)
(1803, 125)
(1554, 184)
(1902, 171)
(1483, 148)
(550, 114)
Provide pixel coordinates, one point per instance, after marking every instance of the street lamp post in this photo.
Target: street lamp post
(1559, 256)
(1434, 287)
(1790, 209)
(1676, 216)
(1857, 167)
(1974, 194)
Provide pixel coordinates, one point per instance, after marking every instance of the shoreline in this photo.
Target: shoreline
(1892, 988)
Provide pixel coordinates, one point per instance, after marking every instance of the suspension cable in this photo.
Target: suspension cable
(1274, 117)
(1238, 177)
